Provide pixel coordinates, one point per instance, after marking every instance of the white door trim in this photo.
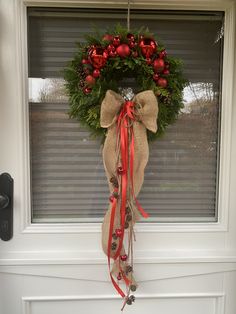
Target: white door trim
(24, 197)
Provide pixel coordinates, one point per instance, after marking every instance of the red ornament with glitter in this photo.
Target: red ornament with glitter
(148, 47)
(116, 41)
(98, 57)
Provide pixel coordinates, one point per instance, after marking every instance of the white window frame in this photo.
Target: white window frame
(226, 125)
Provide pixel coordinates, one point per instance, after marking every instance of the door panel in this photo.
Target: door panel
(45, 268)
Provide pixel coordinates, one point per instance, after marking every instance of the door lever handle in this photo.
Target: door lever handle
(6, 206)
(4, 200)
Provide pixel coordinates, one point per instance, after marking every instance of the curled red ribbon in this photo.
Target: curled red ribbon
(125, 136)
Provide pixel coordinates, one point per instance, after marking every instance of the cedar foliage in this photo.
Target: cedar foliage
(86, 107)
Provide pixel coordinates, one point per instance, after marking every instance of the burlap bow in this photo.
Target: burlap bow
(145, 111)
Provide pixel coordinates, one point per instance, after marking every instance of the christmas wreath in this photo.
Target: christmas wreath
(105, 60)
(93, 81)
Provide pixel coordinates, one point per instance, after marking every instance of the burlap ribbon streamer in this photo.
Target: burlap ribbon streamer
(145, 112)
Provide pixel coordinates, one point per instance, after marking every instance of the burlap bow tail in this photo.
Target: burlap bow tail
(125, 155)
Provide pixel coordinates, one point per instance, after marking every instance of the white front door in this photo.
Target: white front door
(46, 268)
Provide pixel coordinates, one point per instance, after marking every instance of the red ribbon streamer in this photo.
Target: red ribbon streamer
(124, 128)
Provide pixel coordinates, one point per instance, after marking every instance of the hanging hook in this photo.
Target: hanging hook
(128, 16)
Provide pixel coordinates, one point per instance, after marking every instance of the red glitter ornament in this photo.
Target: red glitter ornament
(123, 50)
(118, 232)
(132, 44)
(111, 48)
(130, 37)
(123, 257)
(116, 40)
(148, 47)
(96, 73)
(162, 82)
(98, 57)
(158, 65)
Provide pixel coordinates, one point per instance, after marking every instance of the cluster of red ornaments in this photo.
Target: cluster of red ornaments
(97, 57)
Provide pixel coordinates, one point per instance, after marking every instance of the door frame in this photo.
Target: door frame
(214, 237)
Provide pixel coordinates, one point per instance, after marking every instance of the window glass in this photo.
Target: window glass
(68, 179)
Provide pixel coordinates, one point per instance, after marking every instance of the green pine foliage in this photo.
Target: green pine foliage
(86, 107)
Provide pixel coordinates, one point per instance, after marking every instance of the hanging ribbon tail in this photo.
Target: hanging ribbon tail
(120, 117)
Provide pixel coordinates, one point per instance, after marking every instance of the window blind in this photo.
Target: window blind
(68, 180)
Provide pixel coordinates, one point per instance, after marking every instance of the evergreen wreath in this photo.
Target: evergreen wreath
(105, 60)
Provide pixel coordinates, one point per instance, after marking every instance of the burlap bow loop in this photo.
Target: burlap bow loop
(146, 109)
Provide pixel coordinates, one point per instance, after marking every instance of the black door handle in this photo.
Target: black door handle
(6, 206)
(4, 201)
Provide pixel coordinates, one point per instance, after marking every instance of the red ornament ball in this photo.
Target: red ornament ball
(148, 61)
(116, 41)
(120, 170)
(148, 47)
(118, 232)
(123, 257)
(96, 73)
(162, 82)
(158, 65)
(98, 57)
(90, 80)
(156, 77)
(123, 50)
(166, 72)
(87, 90)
